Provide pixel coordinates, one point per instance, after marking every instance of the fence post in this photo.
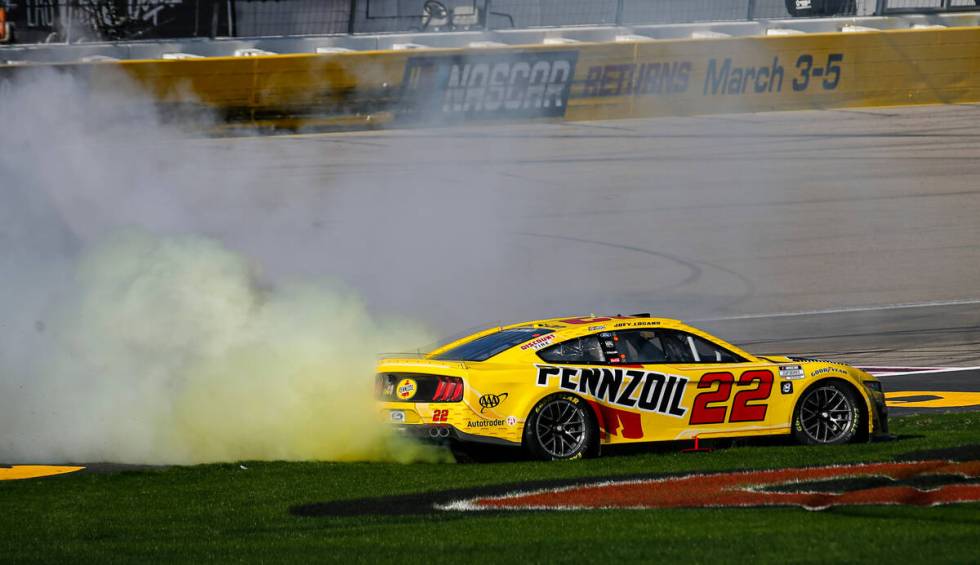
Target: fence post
(71, 21)
(751, 11)
(619, 13)
(215, 14)
(352, 17)
(486, 14)
(881, 6)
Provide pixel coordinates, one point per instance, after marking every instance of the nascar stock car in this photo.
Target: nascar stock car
(561, 388)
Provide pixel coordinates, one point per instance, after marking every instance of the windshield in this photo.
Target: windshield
(485, 347)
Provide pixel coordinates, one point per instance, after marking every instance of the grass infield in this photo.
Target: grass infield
(226, 513)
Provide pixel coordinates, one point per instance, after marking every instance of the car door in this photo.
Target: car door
(723, 393)
(593, 367)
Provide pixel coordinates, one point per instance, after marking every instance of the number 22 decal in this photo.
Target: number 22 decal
(440, 415)
(708, 407)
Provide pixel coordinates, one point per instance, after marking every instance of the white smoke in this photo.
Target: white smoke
(168, 351)
(138, 323)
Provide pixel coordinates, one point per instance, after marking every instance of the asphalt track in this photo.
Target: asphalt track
(851, 235)
(703, 217)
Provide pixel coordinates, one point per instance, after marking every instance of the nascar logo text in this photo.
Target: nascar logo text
(517, 86)
(648, 391)
(524, 84)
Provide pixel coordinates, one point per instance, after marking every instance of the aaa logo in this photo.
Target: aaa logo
(491, 401)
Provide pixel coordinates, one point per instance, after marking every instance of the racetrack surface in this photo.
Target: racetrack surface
(851, 235)
(703, 217)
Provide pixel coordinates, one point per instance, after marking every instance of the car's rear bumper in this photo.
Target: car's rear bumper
(445, 433)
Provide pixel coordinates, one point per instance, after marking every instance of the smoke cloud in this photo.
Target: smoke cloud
(172, 299)
(167, 351)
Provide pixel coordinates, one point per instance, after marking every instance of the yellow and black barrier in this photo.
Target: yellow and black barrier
(584, 81)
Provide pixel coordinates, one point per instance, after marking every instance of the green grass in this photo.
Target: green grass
(224, 513)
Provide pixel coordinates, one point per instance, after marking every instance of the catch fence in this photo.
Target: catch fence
(73, 21)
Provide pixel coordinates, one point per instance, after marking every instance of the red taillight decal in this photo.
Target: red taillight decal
(450, 390)
(459, 391)
(440, 389)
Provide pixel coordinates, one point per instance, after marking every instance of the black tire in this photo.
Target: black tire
(560, 428)
(827, 413)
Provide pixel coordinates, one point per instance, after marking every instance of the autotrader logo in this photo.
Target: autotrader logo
(498, 85)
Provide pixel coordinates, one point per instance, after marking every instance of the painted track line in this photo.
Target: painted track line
(847, 309)
(900, 371)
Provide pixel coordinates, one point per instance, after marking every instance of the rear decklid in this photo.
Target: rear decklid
(419, 380)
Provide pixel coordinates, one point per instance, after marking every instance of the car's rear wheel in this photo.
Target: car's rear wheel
(560, 427)
(827, 413)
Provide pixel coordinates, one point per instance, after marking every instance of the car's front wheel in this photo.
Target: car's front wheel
(560, 427)
(827, 413)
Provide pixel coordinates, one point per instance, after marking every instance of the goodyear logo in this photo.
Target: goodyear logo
(499, 85)
(406, 389)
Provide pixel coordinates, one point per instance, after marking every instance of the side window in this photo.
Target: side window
(581, 350)
(641, 346)
(703, 351)
(677, 347)
(670, 346)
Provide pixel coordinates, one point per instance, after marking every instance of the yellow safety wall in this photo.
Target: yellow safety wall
(875, 69)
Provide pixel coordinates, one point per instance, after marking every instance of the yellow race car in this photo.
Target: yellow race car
(561, 388)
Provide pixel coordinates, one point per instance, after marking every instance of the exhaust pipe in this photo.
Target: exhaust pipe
(438, 432)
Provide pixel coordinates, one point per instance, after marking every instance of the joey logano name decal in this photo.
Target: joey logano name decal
(645, 390)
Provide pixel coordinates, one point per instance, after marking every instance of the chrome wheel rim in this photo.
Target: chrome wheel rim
(560, 428)
(826, 414)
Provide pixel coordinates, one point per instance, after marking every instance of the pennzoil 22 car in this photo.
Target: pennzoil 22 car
(562, 388)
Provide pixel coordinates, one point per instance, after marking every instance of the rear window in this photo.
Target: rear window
(581, 350)
(485, 347)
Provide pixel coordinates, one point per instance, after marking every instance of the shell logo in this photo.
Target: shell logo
(406, 389)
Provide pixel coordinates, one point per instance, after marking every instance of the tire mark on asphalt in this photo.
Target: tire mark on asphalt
(694, 267)
(694, 271)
